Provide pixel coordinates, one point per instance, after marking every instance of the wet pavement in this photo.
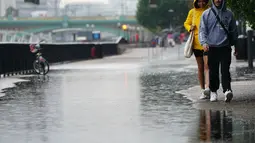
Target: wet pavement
(129, 98)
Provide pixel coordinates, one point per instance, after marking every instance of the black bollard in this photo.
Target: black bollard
(99, 51)
(249, 49)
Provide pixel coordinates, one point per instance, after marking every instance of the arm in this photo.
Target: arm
(188, 21)
(233, 29)
(233, 33)
(203, 33)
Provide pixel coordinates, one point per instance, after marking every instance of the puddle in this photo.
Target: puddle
(221, 126)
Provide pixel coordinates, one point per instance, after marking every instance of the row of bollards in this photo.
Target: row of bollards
(23, 72)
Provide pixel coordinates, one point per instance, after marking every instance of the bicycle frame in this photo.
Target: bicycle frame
(39, 60)
(39, 57)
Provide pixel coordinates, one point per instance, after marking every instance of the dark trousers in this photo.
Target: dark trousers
(219, 57)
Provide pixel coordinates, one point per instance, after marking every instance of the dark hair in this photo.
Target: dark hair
(196, 3)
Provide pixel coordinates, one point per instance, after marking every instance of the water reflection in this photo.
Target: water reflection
(34, 111)
(221, 126)
(213, 126)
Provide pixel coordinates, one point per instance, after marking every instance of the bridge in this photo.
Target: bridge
(27, 26)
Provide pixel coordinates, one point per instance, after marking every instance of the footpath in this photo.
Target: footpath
(243, 86)
(243, 82)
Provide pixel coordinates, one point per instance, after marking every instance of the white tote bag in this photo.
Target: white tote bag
(188, 48)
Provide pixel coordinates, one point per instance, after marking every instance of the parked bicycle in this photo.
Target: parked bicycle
(41, 65)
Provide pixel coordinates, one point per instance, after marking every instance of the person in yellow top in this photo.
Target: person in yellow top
(192, 23)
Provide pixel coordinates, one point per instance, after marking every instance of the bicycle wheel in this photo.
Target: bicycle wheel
(41, 67)
(46, 67)
(36, 66)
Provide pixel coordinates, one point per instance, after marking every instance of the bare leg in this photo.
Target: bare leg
(206, 71)
(200, 65)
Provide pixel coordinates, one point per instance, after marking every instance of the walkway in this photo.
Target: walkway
(128, 98)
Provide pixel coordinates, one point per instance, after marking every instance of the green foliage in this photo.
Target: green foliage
(159, 18)
(244, 10)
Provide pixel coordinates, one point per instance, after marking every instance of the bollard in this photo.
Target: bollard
(99, 51)
(249, 49)
(93, 52)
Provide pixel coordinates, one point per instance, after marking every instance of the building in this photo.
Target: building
(53, 7)
(124, 7)
(87, 9)
(95, 8)
(4, 4)
(26, 9)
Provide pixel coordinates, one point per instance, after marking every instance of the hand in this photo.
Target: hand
(192, 27)
(206, 48)
(235, 53)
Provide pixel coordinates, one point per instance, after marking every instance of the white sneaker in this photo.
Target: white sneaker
(228, 95)
(213, 97)
(203, 96)
(207, 92)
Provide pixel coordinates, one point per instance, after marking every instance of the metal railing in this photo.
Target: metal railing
(22, 37)
(11, 36)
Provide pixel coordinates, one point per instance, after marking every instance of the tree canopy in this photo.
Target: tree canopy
(168, 12)
(244, 10)
(159, 18)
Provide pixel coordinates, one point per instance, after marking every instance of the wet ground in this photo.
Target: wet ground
(129, 99)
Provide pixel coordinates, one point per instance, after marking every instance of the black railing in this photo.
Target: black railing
(17, 58)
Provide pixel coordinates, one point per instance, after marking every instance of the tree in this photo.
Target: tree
(243, 10)
(167, 12)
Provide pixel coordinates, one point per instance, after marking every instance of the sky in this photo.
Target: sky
(63, 2)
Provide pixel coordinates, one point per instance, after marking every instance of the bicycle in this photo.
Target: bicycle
(40, 64)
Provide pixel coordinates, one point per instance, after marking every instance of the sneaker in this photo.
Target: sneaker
(213, 97)
(203, 96)
(207, 92)
(228, 95)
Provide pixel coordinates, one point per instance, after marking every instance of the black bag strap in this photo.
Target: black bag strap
(218, 19)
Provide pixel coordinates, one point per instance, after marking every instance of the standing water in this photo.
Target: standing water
(114, 100)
